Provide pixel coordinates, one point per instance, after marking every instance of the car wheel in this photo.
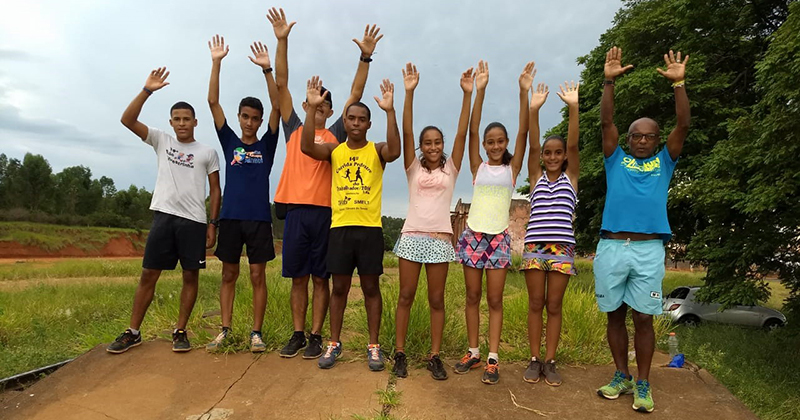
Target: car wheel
(773, 324)
(690, 320)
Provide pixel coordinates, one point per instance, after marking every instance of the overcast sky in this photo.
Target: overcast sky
(69, 69)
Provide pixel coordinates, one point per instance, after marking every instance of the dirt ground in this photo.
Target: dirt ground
(151, 382)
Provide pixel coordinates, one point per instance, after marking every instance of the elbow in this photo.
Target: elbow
(125, 121)
(213, 101)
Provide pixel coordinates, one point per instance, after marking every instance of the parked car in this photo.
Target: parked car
(681, 306)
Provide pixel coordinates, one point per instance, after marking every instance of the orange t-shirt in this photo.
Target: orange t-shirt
(305, 180)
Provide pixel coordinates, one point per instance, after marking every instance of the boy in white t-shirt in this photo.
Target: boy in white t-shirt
(179, 229)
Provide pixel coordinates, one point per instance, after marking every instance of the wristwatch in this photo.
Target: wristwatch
(214, 222)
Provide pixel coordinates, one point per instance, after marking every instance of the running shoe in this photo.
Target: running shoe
(491, 373)
(643, 397)
(551, 375)
(375, 358)
(400, 365)
(467, 363)
(216, 343)
(295, 344)
(125, 341)
(257, 343)
(533, 372)
(619, 385)
(332, 352)
(180, 342)
(436, 367)
(314, 348)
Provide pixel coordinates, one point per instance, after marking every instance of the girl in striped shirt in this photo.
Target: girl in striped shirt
(550, 240)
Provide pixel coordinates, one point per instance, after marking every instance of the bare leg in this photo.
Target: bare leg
(495, 283)
(227, 291)
(617, 335)
(144, 295)
(188, 296)
(644, 341)
(373, 303)
(556, 286)
(258, 278)
(409, 278)
(322, 295)
(472, 278)
(535, 280)
(341, 288)
(299, 302)
(437, 278)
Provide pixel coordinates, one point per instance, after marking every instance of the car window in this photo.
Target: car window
(679, 293)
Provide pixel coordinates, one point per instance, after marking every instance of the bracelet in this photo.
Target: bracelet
(267, 70)
(679, 83)
(149, 92)
(214, 222)
(608, 82)
(365, 59)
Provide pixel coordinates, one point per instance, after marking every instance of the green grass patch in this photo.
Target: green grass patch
(55, 237)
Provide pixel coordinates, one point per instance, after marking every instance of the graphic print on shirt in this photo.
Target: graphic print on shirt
(357, 192)
(241, 157)
(179, 158)
(652, 166)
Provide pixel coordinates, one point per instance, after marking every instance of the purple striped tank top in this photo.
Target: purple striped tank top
(552, 209)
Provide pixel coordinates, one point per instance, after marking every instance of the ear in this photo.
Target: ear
(195, 123)
(170, 122)
(330, 112)
(305, 106)
(369, 125)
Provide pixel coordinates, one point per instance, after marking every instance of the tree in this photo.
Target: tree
(35, 186)
(391, 231)
(752, 212)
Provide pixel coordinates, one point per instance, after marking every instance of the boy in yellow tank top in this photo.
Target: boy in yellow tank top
(356, 237)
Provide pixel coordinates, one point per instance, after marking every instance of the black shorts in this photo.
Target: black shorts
(351, 247)
(174, 238)
(234, 234)
(305, 242)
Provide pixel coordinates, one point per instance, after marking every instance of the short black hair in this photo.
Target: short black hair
(182, 105)
(361, 105)
(251, 102)
(328, 98)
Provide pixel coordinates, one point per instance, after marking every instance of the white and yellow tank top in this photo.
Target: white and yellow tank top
(491, 199)
(357, 186)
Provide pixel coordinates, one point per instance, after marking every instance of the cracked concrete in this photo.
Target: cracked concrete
(152, 382)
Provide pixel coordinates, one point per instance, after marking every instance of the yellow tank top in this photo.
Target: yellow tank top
(356, 187)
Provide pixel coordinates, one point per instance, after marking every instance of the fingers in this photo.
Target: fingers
(661, 72)
(626, 68)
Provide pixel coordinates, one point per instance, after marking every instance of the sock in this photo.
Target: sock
(255, 332)
(135, 332)
(492, 356)
(535, 359)
(476, 352)
(226, 330)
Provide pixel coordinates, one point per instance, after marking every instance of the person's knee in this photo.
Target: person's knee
(495, 303)
(149, 277)
(230, 273)
(371, 289)
(258, 277)
(191, 277)
(553, 309)
(643, 322)
(340, 289)
(320, 284)
(436, 303)
(617, 317)
(473, 297)
(406, 298)
(536, 303)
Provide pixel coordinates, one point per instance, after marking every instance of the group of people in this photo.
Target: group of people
(330, 197)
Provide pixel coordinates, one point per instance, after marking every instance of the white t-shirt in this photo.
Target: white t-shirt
(182, 172)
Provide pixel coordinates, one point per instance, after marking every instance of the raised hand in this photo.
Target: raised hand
(410, 76)
(157, 79)
(313, 89)
(370, 40)
(569, 93)
(218, 48)
(539, 96)
(386, 102)
(279, 25)
(482, 76)
(613, 67)
(468, 80)
(261, 55)
(526, 78)
(676, 68)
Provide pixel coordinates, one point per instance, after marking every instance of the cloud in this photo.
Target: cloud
(14, 55)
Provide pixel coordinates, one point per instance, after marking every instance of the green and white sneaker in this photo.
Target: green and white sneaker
(216, 343)
(643, 397)
(619, 385)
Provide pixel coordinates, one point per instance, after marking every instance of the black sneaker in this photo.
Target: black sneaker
(467, 363)
(314, 349)
(400, 365)
(180, 342)
(551, 376)
(533, 372)
(125, 341)
(436, 367)
(295, 344)
(491, 373)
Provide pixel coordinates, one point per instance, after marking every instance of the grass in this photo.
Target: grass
(53, 237)
(53, 318)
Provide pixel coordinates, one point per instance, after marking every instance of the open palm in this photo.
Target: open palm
(279, 24)
(676, 67)
(539, 96)
(386, 102)
(410, 76)
(218, 48)
(260, 55)
(467, 80)
(613, 67)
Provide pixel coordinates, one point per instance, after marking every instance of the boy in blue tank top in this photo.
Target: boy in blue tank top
(629, 263)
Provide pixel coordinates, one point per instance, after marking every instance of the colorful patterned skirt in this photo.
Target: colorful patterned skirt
(484, 251)
(549, 257)
(425, 248)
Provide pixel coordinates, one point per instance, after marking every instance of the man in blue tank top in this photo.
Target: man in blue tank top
(629, 263)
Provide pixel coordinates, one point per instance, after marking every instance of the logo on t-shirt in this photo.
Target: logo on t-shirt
(179, 158)
(241, 157)
(354, 172)
(651, 166)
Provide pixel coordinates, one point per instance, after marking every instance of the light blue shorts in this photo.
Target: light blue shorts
(629, 272)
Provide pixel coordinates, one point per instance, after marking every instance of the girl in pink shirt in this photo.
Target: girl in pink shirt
(427, 236)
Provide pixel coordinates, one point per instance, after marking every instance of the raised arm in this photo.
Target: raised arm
(410, 81)
(569, 94)
(676, 73)
(307, 145)
(481, 80)
(538, 98)
(282, 29)
(613, 69)
(525, 81)
(261, 59)
(218, 51)
(467, 84)
(130, 117)
(215, 195)
(389, 151)
(367, 47)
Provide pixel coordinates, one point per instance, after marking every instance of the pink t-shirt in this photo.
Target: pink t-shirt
(430, 194)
